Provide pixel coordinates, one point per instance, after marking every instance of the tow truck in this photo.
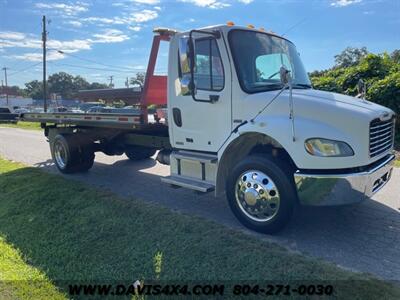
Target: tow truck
(242, 120)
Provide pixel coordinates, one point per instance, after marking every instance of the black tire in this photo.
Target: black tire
(86, 159)
(285, 193)
(139, 153)
(71, 155)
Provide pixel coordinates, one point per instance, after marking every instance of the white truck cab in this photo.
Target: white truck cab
(237, 127)
(243, 120)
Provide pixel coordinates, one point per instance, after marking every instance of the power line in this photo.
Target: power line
(93, 68)
(95, 62)
(293, 26)
(24, 69)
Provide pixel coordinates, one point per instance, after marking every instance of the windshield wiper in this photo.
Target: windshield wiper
(301, 86)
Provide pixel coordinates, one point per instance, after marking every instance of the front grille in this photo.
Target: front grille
(381, 136)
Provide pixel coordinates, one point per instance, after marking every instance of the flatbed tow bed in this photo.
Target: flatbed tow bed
(108, 120)
(75, 137)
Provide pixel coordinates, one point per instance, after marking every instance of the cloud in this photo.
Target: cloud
(143, 16)
(214, 4)
(115, 20)
(75, 23)
(150, 2)
(65, 9)
(70, 46)
(110, 36)
(52, 55)
(343, 3)
(21, 40)
(246, 1)
(368, 12)
(10, 39)
(133, 19)
(135, 28)
(12, 35)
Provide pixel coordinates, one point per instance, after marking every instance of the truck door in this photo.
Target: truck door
(201, 121)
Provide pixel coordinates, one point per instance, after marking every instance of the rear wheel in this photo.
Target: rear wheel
(70, 156)
(139, 152)
(261, 193)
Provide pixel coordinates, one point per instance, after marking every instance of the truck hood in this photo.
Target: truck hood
(340, 98)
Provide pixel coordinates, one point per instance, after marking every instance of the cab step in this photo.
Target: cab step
(200, 157)
(193, 184)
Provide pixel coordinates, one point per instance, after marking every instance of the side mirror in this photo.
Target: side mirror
(191, 54)
(185, 66)
(284, 75)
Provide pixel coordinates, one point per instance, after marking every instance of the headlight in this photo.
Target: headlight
(324, 147)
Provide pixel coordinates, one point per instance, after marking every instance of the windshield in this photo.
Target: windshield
(258, 58)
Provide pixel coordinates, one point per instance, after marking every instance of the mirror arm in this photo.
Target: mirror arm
(191, 56)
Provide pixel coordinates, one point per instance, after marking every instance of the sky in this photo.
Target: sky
(103, 38)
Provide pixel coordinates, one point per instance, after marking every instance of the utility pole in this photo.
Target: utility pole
(44, 39)
(5, 77)
(127, 82)
(111, 81)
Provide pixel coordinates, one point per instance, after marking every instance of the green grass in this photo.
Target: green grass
(397, 163)
(18, 280)
(69, 231)
(23, 125)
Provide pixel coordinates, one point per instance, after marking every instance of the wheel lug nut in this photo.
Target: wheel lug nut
(256, 186)
(249, 184)
(261, 192)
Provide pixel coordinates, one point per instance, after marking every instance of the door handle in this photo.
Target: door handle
(176, 113)
(214, 98)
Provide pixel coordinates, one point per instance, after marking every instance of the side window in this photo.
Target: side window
(208, 71)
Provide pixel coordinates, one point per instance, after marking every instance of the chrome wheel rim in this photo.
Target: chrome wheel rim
(60, 154)
(257, 196)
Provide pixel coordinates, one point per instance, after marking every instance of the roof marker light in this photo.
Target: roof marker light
(261, 29)
(230, 23)
(250, 26)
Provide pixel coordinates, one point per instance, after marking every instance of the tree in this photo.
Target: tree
(63, 84)
(138, 80)
(97, 86)
(395, 56)
(350, 56)
(380, 72)
(80, 83)
(12, 90)
(34, 89)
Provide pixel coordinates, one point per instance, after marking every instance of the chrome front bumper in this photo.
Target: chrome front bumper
(341, 189)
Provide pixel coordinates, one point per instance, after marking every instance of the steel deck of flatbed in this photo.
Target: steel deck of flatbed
(110, 120)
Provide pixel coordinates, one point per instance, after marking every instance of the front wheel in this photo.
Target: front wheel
(261, 193)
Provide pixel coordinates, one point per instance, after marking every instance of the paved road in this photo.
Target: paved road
(364, 237)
